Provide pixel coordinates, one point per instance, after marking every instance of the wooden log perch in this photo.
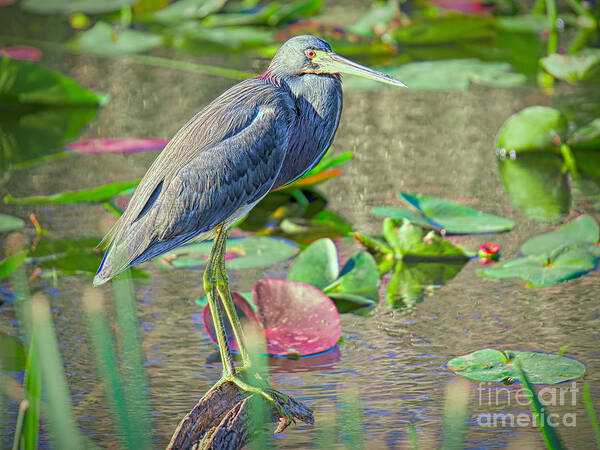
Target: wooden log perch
(223, 417)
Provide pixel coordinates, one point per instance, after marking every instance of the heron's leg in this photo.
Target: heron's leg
(225, 293)
(210, 288)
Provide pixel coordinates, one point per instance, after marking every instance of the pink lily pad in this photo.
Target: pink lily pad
(6, 2)
(296, 318)
(21, 52)
(117, 145)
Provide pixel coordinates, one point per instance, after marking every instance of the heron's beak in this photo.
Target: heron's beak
(330, 62)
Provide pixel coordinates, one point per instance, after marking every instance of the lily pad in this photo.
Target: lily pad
(349, 303)
(537, 185)
(566, 253)
(540, 368)
(413, 244)
(104, 40)
(10, 223)
(447, 215)
(537, 128)
(316, 265)
(580, 232)
(242, 253)
(296, 318)
(446, 30)
(12, 353)
(183, 10)
(359, 276)
(27, 83)
(21, 52)
(573, 68)
(99, 194)
(117, 145)
(447, 75)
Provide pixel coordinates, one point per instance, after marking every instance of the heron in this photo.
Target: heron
(259, 135)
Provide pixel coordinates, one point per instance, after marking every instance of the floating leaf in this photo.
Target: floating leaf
(586, 137)
(26, 83)
(22, 52)
(12, 353)
(117, 145)
(29, 135)
(348, 302)
(582, 231)
(10, 263)
(493, 365)
(297, 317)
(536, 128)
(75, 6)
(10, 223)
(566, 253)
(375, 20)
(409, 281)
(103, 40)
(242, 253)
(359, 276)
(98, 194)
(445, 214)
(413, 244)
(316, 265)
(537, 184)
(446, 75)
(183, 10)
(523, 23)
(573, 68)
(232, 38)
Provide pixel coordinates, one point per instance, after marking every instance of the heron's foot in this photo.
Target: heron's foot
(285, 408)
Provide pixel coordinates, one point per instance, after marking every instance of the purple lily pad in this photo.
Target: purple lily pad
(296, 318)
(245, 313)
(21, 52)
(117, 145)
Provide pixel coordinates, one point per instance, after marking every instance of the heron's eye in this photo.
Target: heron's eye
(310, 53)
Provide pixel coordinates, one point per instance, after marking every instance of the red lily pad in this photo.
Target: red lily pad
(21, 52)
(117, 145)
(296, 318)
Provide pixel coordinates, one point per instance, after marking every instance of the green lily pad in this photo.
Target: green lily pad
(378, 17)
(242, 253)
(316, 265)
(359, 276)
(566, 253)
(231, 38)
(409, 282)
(580, 232)
(177, 12)
(75, 6)
(537, 185)
(348, 302)
(446, 75)
(573, 68)
(29, 135)
(445, 214)
(414, 244)
(10, 223)
(586, 137)
(12, 353)
(493, 365)
(536, 128)
(401, 212)
(99, 194)
(27, 83)
(523, 23)
(10, 263)
(104, 40)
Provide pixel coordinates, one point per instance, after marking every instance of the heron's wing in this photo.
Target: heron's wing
(203, 193)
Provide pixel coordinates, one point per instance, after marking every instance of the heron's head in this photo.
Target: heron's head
(308, 54)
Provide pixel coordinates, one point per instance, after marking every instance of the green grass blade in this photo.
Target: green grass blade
(549, 433)
(134, 376)
(587, 399)
(412, 437)
(23, 406)
(33, 392)
(58, 411)
(104, 353)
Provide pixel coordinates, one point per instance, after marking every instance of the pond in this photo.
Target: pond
(394, 361)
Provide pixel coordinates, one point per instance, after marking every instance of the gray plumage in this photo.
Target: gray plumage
(258, 135)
